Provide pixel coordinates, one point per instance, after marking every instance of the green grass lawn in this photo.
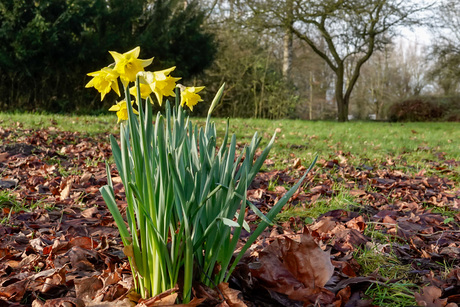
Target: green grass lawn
(84, 124)
(369, 143)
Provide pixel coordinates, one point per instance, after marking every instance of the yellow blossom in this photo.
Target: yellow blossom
(190, 97)
(122, 110)
(128, 64)
(160, 82)
(145, 91)
(104, 80)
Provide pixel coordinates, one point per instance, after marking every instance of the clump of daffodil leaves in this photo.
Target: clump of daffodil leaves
(186, 199)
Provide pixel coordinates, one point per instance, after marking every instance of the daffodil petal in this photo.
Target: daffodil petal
(146, 63)
(116, 56)
(116, 88)
(190, 97)
(166, 71)
(114, 108)
(90, 83)
(146, 77)
(133, 52)
(103, 81)
(159, 97)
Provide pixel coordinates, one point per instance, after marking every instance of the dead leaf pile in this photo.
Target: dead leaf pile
(66, 251)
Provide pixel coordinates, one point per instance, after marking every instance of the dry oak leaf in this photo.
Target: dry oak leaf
(307, 261)
(297, 163)
(65, 189)
(86, 288)
(231, 295)
(165, 298)
(14, 291)
(431, 297)
(57, 279)
(4, 156)
(296, 269)
(85, 177)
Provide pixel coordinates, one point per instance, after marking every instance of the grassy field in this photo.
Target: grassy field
(368, 143)
(416, 145)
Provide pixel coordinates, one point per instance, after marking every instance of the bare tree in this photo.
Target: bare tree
(446, 49)
(350, 30)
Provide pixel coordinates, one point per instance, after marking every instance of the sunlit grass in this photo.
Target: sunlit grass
(407, 147)
(411, 145)
(386, 264)
(85, 124)
(9, 203)
(399, 288)
(341, 200)
(398, 294)
(7, 199)
(366, 140)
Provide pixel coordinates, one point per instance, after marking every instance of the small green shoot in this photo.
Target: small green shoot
(392, 294)
(342, 200)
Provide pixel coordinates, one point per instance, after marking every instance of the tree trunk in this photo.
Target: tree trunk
(342, 108)
(287, 54)
(287, 40)
(341, 100)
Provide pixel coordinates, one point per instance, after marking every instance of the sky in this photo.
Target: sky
(418, 35)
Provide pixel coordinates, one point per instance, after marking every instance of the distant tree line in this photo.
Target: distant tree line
(321, 59)
(331, 59)
(48, 46)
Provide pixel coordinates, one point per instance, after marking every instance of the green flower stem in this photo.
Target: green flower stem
(186, 200)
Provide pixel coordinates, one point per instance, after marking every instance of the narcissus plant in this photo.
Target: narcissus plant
(186, 194)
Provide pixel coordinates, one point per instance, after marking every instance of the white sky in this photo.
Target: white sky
(418, 35)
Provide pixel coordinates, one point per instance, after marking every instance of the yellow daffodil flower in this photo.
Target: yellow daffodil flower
(190, 97)
(160, 82)
(145, 91)
(104, 80)
(128, 64)
(122, 110)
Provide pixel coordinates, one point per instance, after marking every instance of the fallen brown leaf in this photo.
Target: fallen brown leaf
(306, 260)
(4, 157)
(430, 296)
(14, 291)
(65, 190)
(297, 269)
(231, 295)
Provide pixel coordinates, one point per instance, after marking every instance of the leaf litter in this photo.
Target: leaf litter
(59, 245)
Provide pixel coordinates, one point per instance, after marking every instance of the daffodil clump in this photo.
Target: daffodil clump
(127, 68)
(186, 198)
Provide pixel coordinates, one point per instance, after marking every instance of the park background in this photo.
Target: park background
(373, 59)
(383, 197)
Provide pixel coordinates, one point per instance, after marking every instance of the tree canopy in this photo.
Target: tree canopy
(48, 46)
